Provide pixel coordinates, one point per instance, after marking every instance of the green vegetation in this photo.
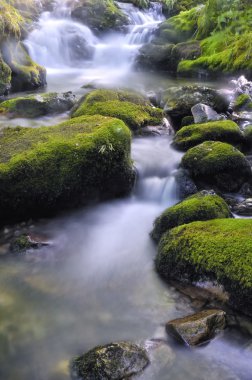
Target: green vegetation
(5, 77)
(217, 164)
(173, 7)
(225, 131)
(243, 102)
(134, 109)
(82, 159)
(218, 250)
(200, 206)
(10, 21)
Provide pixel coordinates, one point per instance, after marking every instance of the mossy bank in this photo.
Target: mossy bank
(217, 250)
(50, 168)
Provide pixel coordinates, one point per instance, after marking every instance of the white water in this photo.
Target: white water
(65, 46)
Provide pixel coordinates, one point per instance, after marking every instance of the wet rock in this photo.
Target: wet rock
(178, 101)
(185, 185)
(244, 208)
(24, 242)
(32, 106)
(113, 361)
(203, 113)
(197, 328)
(162, 357)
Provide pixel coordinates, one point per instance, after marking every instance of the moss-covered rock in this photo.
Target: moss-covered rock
(32, 106)
(173, 7)
(178, 101)
(26, 74)
(99, 15)
(223, 130)
(243, 103)
(204, 205)
(50, 168)
(197, 328)
(110, 362)
(11, 22)
(218, 165)
(5, 78)
(248, 136)
(216, 250)
(134, 109)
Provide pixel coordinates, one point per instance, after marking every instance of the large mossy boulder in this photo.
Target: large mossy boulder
(218, 250)
(26, 74)
(223, 130)
(99, 15)
(113, 361)
(33, 106)
(204, 205)
(46, 169)
(133, 108)
(178, 101)
(218, 165)
(198, 328)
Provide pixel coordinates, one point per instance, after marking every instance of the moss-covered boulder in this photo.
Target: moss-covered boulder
(5, 78)
(32, 106)
(46, 169)
(216, 250)
(218, 165)
(174, 7)
(99, 15)
(134, 109)
(197, 328)
(26, 74)
(243, 103)
(113, 361)
(178, 101)
(204, 205)
(223, 130)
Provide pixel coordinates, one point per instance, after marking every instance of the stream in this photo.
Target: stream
(96, 283)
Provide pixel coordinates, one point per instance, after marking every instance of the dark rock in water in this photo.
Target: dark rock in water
(244, 208)
(32, 106)
(114, 361)
(185, 184)
(153, 56)
(24, 242)
(178, 101)
(218, 165)
(197, 328)
(203, 113)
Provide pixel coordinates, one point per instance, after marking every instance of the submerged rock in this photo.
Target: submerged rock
(197, 328)
(46, 169)
(114, 361)
(223, 130)
(218, 165)
(204, 205)
(131, 107)
(217, 250)
(33, 106)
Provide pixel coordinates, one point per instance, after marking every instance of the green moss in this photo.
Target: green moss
(44, 169)
(217, 164)
(243, 102)
(180, 28)
(173, 7)
(187, 120)
(224, 29)
(5, 77)
(248, 136)
(219, 250)
(225, 131)
(200, 206)
(132, 108)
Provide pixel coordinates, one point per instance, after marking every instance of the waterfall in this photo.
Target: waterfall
(59, 42)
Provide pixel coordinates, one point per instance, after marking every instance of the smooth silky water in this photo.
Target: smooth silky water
(97, 283)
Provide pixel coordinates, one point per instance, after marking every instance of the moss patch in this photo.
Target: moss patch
(132, 108)
(243, 103)
(200, 206)
(44, 169)
(225, 131)
(219, 250)
(217, 164)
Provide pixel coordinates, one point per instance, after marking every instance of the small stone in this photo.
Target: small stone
(203, 113)
(197, 328)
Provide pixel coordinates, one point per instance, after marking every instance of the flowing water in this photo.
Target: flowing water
(96, 283)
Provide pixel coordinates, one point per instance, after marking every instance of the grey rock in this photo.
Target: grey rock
(244, 208)
(197, 328)
(185, 185)
(203, 113)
